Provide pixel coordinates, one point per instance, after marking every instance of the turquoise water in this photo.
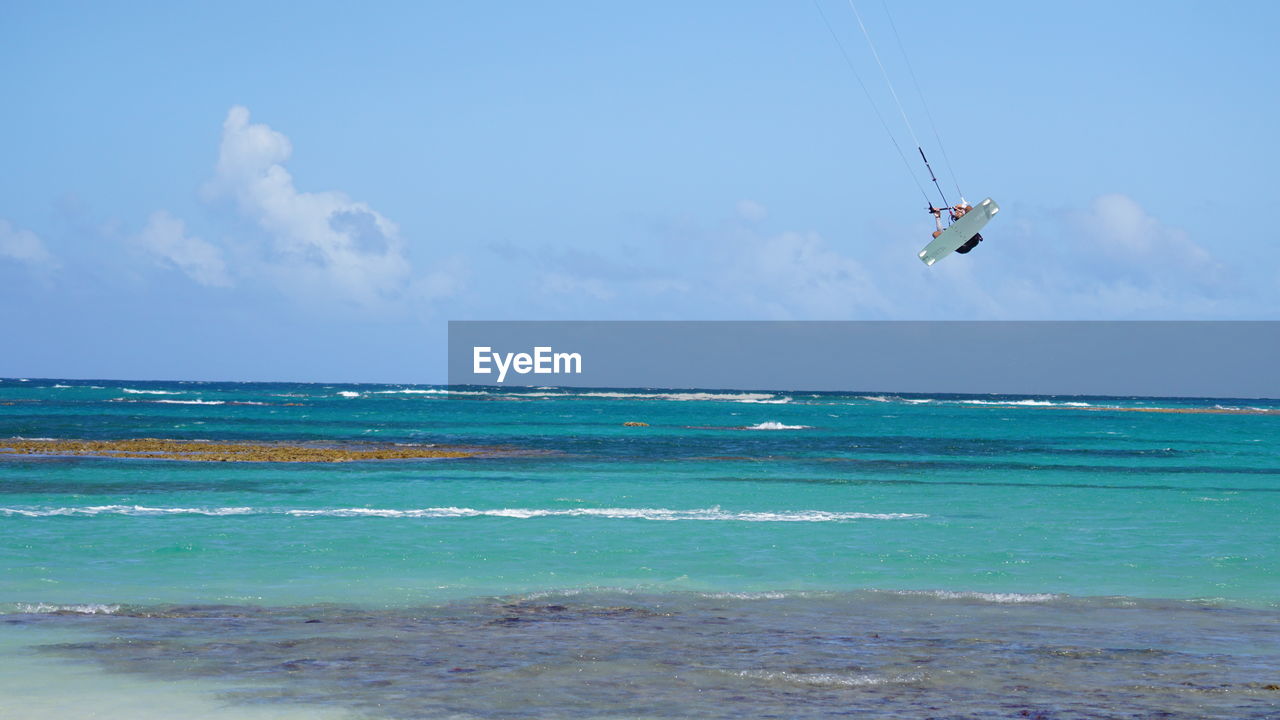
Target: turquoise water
(810, 504)
(888, 492)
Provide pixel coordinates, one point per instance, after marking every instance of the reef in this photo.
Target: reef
(202, 451)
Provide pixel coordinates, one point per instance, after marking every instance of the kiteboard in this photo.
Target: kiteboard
(960, 231)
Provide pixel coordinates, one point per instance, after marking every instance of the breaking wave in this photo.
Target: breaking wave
(705, 514)
(1026, 403)
(196, 402)
(48, 609)
(771, 425)
(823, 679)
(740, 397)
(983, 596)
(137, 510)
(896, 399)
(744, 397)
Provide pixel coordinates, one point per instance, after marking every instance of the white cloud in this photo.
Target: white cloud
(445, 281)
(751, 211)
(735, 272)
(556, 283)
(1110, 259)
(797, 275)
(165, 237)
(1126, 234)
(25, 247)
(320, 243)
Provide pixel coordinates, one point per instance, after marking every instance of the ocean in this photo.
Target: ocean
(739, 554)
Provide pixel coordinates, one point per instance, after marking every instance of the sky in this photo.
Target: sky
(310, 191)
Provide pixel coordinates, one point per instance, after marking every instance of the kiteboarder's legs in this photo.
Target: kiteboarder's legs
(937, 220)
(970, 244)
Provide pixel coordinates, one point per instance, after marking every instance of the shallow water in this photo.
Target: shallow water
(868, 654)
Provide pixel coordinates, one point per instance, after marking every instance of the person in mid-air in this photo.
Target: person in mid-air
(956, 211)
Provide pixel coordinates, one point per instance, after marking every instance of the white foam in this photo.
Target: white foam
(348, 394)
(191, 402)
(983, 596)
(771, 425)
(89, 609)
(607, 513)
(743, 397)
(61, 386)
(573, 592)
(824, 679)
(135, 510)
(131, 391)
(1025, 403)
(895, 399)
(664, 514)
(763, 595)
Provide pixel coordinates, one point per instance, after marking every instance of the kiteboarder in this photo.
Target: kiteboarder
(956, 211)
(946, 240)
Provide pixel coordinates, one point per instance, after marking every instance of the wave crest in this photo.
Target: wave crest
(772, 425)
(664, 514)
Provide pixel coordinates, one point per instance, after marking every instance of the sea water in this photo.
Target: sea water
(743, 553)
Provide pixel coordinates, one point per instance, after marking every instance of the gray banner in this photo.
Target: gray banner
(1171, 359)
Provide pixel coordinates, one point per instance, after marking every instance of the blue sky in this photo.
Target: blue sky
(309, 191)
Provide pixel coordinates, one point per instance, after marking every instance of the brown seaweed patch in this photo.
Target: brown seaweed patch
(196, 451)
